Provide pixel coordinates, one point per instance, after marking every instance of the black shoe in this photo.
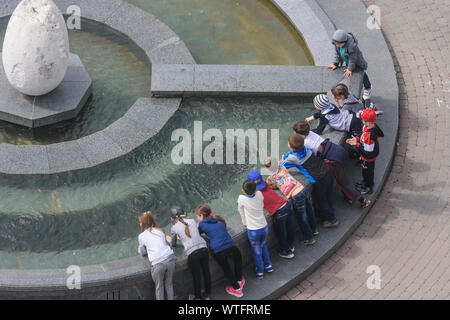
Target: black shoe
(366, 190)
(359, 184)
(330, 224)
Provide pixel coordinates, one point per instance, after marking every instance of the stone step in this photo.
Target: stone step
(227, 80)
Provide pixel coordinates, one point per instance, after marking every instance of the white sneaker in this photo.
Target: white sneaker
(367, 94)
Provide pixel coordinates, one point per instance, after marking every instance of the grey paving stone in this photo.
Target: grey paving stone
(97, 10)
(215, 79)
(172, 79)
(296, 80)
(127, 134)
(99, 148)
(25, 159)
(141, 27)
(152, 114)
(172, 53)
(355, 83)
(331, 78)
(63, 103)
(66, 155)
(258, 80)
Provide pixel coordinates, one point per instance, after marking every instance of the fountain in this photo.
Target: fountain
(45, 84)
(74, 187)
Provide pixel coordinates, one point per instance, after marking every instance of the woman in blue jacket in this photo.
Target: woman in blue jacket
(223, 247)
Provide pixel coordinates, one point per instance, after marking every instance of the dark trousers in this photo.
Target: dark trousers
(366, 82)
(356, 126)
(342, 181)
(283, 224)
(198, 262)
(234, 254)
(368, 173)
(323, 193)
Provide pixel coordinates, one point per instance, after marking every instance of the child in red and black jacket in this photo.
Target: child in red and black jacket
(368, 148)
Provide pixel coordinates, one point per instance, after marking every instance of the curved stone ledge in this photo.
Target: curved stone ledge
(313, 24)
(142, 121)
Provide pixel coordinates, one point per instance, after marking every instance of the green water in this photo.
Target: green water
(232, 31)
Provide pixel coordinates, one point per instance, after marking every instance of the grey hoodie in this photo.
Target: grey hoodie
(352, 53)
(352, 104)
(191, 244)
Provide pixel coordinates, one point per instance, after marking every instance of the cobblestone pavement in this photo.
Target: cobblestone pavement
(407, 233)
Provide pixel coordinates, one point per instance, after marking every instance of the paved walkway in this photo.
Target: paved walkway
(407, 233)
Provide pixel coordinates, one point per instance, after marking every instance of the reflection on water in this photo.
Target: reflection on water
(93, 208)
(119, 79)
(232, 31)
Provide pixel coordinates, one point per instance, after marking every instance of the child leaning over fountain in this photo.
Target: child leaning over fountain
(153, 244)
(329, 114)
(251, 209)
(196, 250)
(223, 248)
(299, 196)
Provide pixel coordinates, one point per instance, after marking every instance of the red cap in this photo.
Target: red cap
(369, 115)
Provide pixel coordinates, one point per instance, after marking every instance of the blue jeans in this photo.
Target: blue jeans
(283, 224)
(260, 253)
(366, 81)
(304, 210)
(323, 192)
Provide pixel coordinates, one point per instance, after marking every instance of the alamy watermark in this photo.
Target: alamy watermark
(74, 19)
(374, 280)
(229, 146)
(74, 279)
(374, 21)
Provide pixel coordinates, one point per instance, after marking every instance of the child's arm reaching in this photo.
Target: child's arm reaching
(322, 124)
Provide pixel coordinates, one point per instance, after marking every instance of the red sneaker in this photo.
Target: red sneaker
(242, 282)
(237, 293)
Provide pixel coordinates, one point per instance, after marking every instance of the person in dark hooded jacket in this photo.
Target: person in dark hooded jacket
(223, 248)
(368, 148)
(348, 53)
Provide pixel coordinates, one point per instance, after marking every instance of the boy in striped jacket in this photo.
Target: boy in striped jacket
(368, 148)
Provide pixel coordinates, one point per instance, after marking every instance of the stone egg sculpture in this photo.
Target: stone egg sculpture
(36, 47)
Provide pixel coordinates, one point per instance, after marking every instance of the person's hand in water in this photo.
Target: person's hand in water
(309, 119)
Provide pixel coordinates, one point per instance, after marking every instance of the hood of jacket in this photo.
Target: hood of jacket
(377, 131)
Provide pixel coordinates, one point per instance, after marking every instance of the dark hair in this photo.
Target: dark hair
(249, 187)
(205, 211)
(177, 214)
(302, 128)
(340, 89)
(296, 141)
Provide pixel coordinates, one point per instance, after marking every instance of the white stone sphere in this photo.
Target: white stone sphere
(36, 47)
